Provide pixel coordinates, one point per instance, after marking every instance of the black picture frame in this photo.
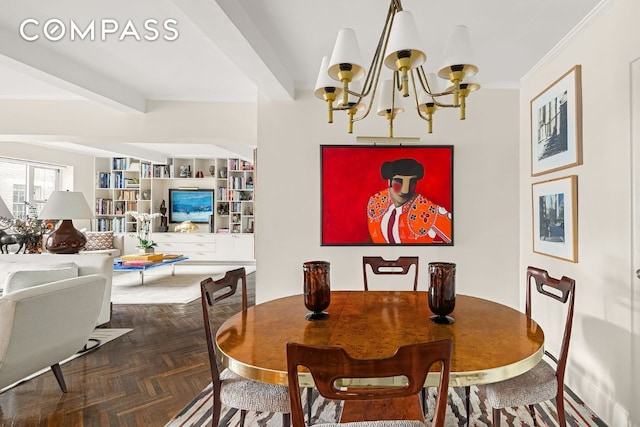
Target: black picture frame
(355, 197)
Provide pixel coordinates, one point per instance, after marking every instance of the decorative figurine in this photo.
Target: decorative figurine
(163, 219)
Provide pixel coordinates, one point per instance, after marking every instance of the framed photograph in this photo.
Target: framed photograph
(386, 195)
(555, 218)
(190, 205)
(556, 125)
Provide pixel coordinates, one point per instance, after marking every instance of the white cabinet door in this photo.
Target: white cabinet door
(235, 247)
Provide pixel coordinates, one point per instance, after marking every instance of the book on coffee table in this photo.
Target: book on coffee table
(136, 263)
(172, 256)
(156, 257)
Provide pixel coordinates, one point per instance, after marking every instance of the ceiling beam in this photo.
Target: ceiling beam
(230, 28)
(44, 64)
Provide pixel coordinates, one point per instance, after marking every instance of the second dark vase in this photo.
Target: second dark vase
(442, 291)
(317, 290)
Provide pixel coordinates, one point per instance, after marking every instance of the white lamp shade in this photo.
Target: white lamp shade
(325, 81)
(4, 210)
(385, 99)
(66, 205)
(404, 37)
(458, 52)
(346, 51)
(356, 87)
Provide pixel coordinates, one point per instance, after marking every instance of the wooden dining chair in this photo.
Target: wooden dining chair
(228, 388)
(543, 382)
(400, 266)
(328, 365)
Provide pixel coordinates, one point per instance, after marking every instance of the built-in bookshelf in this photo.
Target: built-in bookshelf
(125, 184)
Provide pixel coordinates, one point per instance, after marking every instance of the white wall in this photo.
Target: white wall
(485, 195)
(602, 369)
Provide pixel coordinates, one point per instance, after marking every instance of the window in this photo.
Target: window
(24, 182)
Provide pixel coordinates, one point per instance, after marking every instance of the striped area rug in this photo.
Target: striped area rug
(198, 412)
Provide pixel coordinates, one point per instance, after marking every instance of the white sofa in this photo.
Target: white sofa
(47, 267)
(42, 325)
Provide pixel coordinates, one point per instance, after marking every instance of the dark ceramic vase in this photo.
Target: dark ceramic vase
(442, 291)
(317, 291)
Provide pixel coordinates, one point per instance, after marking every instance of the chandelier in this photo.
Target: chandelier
(399, 49)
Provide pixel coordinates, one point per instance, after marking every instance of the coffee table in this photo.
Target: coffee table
(117, 266)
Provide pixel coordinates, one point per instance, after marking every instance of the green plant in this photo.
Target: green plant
(144, 228)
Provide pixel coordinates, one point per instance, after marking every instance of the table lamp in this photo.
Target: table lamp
(66, 205)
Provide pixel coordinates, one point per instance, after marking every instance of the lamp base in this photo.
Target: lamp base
(65, 239)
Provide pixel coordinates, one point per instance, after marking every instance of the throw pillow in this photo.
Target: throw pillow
(98, 240)
(28, 278)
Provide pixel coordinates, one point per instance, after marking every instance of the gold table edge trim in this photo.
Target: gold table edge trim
(456, 379)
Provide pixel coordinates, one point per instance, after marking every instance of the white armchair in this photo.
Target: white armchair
(42, 325)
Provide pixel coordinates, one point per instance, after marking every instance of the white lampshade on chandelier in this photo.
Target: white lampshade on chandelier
(399, 49)
(390, 103)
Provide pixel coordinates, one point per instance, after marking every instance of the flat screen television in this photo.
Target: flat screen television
(190, 205)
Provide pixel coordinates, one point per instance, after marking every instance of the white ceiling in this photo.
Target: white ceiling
(231, 50)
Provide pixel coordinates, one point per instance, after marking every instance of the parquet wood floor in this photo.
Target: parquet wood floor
(140, 379)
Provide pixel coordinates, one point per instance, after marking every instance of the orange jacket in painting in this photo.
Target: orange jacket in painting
(421, 220)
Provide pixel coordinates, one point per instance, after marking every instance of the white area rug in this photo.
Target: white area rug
(104, 335)
(160, 287)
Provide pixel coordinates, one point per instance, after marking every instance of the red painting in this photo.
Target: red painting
(387, 195)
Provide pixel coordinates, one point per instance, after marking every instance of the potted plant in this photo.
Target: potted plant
(144, 220)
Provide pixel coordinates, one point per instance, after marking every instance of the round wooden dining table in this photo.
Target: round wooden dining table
(491, 342)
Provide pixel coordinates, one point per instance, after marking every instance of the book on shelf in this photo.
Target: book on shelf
(119, 163)
(145, 171)
(130, 194)
(104, 180)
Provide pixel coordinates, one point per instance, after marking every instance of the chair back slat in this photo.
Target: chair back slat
(212, 292)
(381, 266)
(565, 287)
(328, 365)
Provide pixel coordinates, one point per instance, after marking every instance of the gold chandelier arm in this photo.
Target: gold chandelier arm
(441, 105)
(376, 61)
(425, 85)
(373, 76)
(422, 78)
(424, 115)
